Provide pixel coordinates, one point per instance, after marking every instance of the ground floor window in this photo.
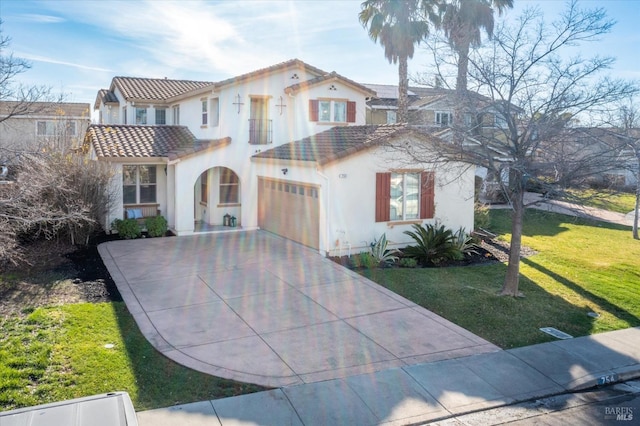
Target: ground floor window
(404, 196)
(139, 184)
(229, 187)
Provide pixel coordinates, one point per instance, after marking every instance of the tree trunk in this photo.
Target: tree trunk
(403, 89)
(463, 68)
(512, 278)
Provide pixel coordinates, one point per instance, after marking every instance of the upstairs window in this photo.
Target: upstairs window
(332, 111)
(176, 115)
(205, 112)
(391, 117)
(141, 115)
(46, 128)
(161, 116)
(124, 115)
(53, 128)
(215, 112)
(444, 118)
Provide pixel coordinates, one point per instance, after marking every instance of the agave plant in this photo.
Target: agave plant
(464, 243)
(434, 245)
(381, 254)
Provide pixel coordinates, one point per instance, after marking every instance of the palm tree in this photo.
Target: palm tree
(399, 25)
(462, 22)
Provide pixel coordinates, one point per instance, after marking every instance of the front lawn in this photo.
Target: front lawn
(82, 349)
(621, 202)
(580, 267)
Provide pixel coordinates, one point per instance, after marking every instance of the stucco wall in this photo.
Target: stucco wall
(347, 198)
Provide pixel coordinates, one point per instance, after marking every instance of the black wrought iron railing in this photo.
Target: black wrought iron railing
(260, 132)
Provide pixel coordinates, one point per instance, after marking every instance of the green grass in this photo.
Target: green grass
(580, 267)
(59, 353)
(620, 202)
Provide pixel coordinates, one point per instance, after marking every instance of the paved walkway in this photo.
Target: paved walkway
(257, 308)
(426, 392)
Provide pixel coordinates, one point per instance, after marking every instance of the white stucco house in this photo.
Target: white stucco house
(285, 149)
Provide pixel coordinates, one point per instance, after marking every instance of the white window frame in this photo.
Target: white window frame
(331, 111)
(138, 184)
(392, 116)
(215, 112)
(141, 115)
(176, 114)
(224, 184)
(164, 116)
(48, 128)
(205, 111)
(440, 115)
(405, 190)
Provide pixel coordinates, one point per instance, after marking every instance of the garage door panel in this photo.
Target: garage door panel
(290, 210)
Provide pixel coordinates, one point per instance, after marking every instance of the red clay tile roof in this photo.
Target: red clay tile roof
(327, 77)
(129, 141)
(155, 89)
(335, 143)
(273, 68)
(106, 97)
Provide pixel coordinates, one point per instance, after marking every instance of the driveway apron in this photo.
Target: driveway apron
(254, 307)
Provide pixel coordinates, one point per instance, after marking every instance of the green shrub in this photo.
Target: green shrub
(127, 228)
(435, 245)
(156, 226)
(362, 260)
(408, 262)
(381, 254)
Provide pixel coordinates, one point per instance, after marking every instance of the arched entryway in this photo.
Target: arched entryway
(217, 199)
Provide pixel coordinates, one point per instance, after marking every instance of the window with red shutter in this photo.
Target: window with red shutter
(427, 195)
(351, 112)
(313, 110)
(383, 189)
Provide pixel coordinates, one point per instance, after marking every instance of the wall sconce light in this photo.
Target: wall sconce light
(285, 171)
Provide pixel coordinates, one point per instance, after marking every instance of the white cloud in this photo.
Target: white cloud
(36, 58)
(38, 18)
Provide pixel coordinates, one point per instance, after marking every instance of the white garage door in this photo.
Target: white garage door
(289, 209)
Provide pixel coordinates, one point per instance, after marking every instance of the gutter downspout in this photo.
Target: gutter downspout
(327, 210)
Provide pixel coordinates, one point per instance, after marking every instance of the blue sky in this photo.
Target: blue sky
(77, 46)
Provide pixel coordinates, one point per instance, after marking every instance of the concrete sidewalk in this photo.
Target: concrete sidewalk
(426, 392)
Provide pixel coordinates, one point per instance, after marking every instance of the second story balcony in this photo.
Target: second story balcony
(260, 132)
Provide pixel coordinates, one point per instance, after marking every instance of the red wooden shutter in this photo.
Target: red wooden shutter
(427, 195)
(313, 109)
(383, 191)
(351, 112)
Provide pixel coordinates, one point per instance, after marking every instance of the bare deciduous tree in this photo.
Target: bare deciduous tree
(50, 193)
(532, 89)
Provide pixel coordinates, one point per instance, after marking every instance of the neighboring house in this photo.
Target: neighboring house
(284, 148)
(609, 157)
(430, 107)
(34, 126)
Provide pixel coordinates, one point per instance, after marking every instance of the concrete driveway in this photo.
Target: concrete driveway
(257, 308)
